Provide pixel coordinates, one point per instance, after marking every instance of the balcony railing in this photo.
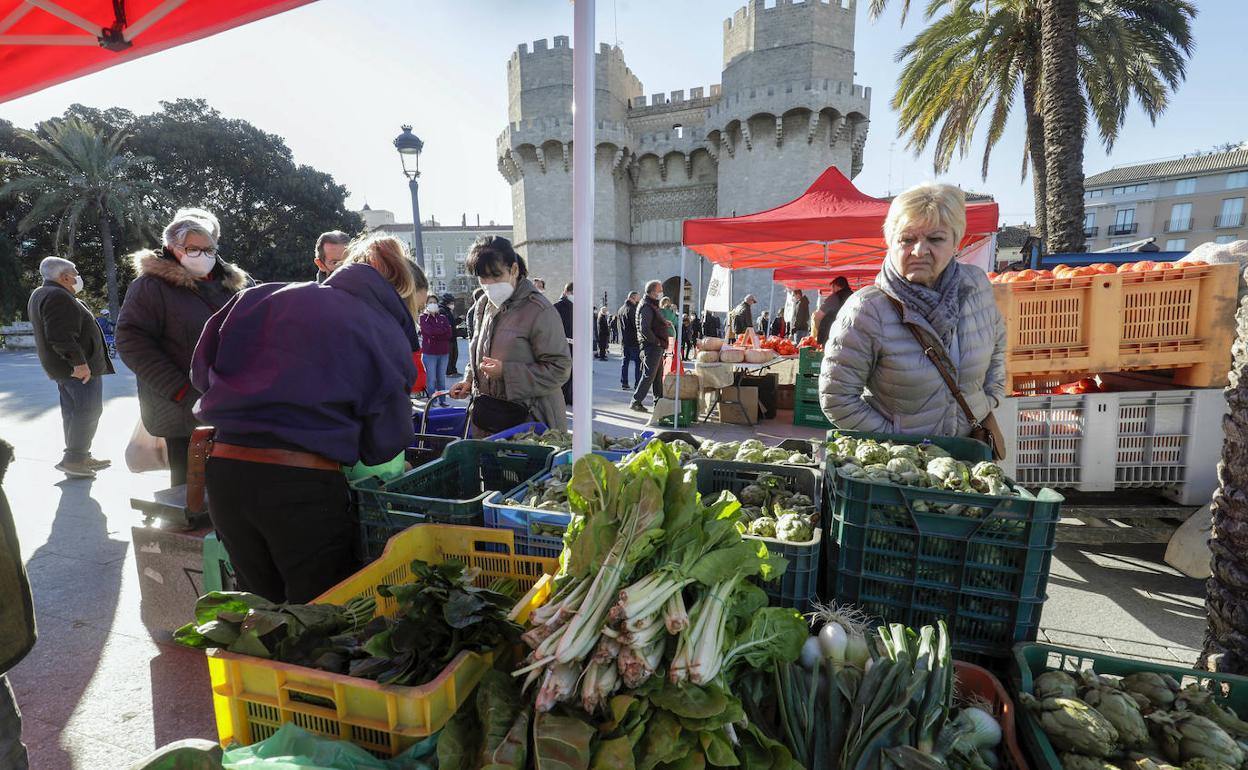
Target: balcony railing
(1228, 220)
(1179, 225)
(1090, 232)
(1128, 228)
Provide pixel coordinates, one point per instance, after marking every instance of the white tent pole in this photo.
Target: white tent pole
(680, 330)
(583, 73)
(771, 297)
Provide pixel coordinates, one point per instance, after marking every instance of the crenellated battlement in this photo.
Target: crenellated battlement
(778, 8)
(559, 44)
(676, 98)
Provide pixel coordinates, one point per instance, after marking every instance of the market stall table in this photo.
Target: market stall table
(739, 370)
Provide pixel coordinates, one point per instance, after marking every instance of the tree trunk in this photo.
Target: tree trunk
(1035, 150)
(110, 265)
(1226, 602)
(1062, 107)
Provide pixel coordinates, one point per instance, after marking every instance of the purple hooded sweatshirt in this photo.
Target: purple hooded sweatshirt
(325, 368)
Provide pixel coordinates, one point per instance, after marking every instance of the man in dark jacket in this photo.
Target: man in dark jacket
(653, 336)
(446, 306)
(74, 356)
(564, 306)
(830, 306)
(626, 319)
(742, 316)
(17, 626)
(799, 321)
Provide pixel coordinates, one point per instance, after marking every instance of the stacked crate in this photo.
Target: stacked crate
(806, 409)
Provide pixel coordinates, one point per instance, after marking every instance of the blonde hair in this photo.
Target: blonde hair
(389, 256)
(932, 204)
(666, 303)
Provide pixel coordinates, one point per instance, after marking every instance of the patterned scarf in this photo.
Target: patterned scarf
(941, 306)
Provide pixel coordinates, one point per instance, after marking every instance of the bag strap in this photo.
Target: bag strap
(934, 357)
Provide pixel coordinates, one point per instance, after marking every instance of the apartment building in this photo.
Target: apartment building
(1182, 203)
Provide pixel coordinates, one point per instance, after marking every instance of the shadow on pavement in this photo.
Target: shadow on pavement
(26, 392)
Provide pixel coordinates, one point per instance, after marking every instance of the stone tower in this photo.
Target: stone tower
(787, 109)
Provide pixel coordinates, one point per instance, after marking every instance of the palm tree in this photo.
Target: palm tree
(78, 174)
(980, 55)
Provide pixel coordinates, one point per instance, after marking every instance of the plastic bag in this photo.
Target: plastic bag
(387, 471)
(293, 748)
(146, 452)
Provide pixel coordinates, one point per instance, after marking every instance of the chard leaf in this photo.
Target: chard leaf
(457, 743)
(692, 701)
(723, 564)
(498, 703)
(512, 751)
(615, 754)
(718, 749)
(774, 636)
(664, 740)
(561, 743)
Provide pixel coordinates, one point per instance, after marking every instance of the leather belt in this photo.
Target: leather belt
(287, 457)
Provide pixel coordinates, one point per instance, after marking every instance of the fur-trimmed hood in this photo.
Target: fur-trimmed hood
(169, 270)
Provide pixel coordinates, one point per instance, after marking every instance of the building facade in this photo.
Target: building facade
(1181, 203)
(785, 110)
(446, 249)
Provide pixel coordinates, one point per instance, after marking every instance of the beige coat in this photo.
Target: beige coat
(526, 334)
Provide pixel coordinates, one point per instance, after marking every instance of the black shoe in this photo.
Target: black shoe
(624, 386)
(636, 407)
(452, 373)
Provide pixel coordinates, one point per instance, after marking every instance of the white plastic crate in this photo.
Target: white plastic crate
(1098, 442)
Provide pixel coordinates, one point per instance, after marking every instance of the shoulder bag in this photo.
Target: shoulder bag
(491, 414)
(987, 429)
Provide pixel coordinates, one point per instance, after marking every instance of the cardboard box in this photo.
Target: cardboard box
(786, 396)
(690, 385)
(738, 405)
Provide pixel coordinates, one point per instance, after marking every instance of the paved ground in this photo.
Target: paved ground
(100, 690)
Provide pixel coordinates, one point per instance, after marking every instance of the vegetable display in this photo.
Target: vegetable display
(1141, 721)
(650, 620)
(770, 508)
(810, 342)
(748, 451)
(440, 614)
(562, 439)
(550, 494)
(872, 699)
(917, 465)
(1100, 268)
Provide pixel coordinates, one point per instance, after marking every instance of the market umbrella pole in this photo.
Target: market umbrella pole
(680, 328)
(583, 73)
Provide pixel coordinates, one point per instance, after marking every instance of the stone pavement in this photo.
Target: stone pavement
(100, 690)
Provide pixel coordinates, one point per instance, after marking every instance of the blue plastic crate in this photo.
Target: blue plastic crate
(537, 532)
(539, 428)
(442, 421)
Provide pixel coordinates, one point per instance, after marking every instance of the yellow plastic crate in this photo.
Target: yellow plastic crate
(253, 697)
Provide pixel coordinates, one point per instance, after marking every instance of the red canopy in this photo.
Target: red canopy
(809, 277)
(45, 42)
(832, 224)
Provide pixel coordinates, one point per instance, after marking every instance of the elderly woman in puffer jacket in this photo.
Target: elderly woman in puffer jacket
(876, 376)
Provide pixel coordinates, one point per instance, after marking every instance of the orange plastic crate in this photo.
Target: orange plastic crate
(1061, 329)
(253, 697)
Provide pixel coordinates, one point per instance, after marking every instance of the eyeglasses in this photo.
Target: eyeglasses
(195, 253)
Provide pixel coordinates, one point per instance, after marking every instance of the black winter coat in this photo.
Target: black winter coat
(564, 308)
(66, 334)
(651, 326)
(165, 311)
(17, 611)
(626, 317)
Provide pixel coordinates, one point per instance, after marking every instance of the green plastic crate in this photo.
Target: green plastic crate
(1031, 660)
(797, 586)
(807, 389)
(809, 414)
(809, 361)
(448, 490)
(983, 567)
(218, 571)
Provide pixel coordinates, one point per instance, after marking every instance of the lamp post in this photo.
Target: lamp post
(409, 147)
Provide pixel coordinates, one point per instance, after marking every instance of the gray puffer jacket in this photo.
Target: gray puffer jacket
(876, 378)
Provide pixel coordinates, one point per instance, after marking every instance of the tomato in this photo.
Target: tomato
(992, 276)
(1164, 266)
(1086, 270)
(1193, 263)
(1105, 267)
(1026, 275)
(1143, 266)
(1044, 275)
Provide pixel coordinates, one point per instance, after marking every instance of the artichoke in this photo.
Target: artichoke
(931, 451)
(877, 472)
(872, 453)
(753, 495)
(1080, 762)
(763, 527)
(792, 528)
(1185, 736)
(1053, 684)
(1159, 690)
(1201, 763)
(1202, 702)
(986, 470)
(1121, 710)
(1073, 725)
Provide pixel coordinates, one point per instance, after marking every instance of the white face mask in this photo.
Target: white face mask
(570, 297)
(432, 307)
(499, 292)
(198, 266)
(77, 283)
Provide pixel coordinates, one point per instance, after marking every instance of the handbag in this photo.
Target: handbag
(490, 414)
(984, 429)
(146, 452)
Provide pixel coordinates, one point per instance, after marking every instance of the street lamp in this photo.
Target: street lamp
(409, 147)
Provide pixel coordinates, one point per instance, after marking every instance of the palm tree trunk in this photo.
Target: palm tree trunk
(1062, 107)
(1035, 150)
(110, 265)
(1226, 601)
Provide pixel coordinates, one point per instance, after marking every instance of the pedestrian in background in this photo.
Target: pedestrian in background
(447, 308)
(564, 308)
(763, 323)
(830, 307)
(603, 324)
(437, 339)
(710, 325)
(177, 291)
(17, 626)
(477, 293)
(653, 336)
(798, 311)
(777, 325)
(74, 355)
(331, 250)
(742, 316)
(630, 343)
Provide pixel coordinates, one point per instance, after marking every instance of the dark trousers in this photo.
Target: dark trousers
(567, 386)
(12, 752)
(603, 344)
(178, 448)
(452, 362)
(651, 377)
(632, 353)
(289, 531)
(81, 407)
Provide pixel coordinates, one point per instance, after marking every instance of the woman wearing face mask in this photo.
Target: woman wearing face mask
(300, 380)
(177, 290)
(876, 374)
(519, 352)
(436, 338)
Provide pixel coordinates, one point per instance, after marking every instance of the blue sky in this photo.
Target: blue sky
(337, 78)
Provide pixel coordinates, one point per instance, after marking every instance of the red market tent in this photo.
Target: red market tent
(831, 224)
(820, 278)
(46, 42)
